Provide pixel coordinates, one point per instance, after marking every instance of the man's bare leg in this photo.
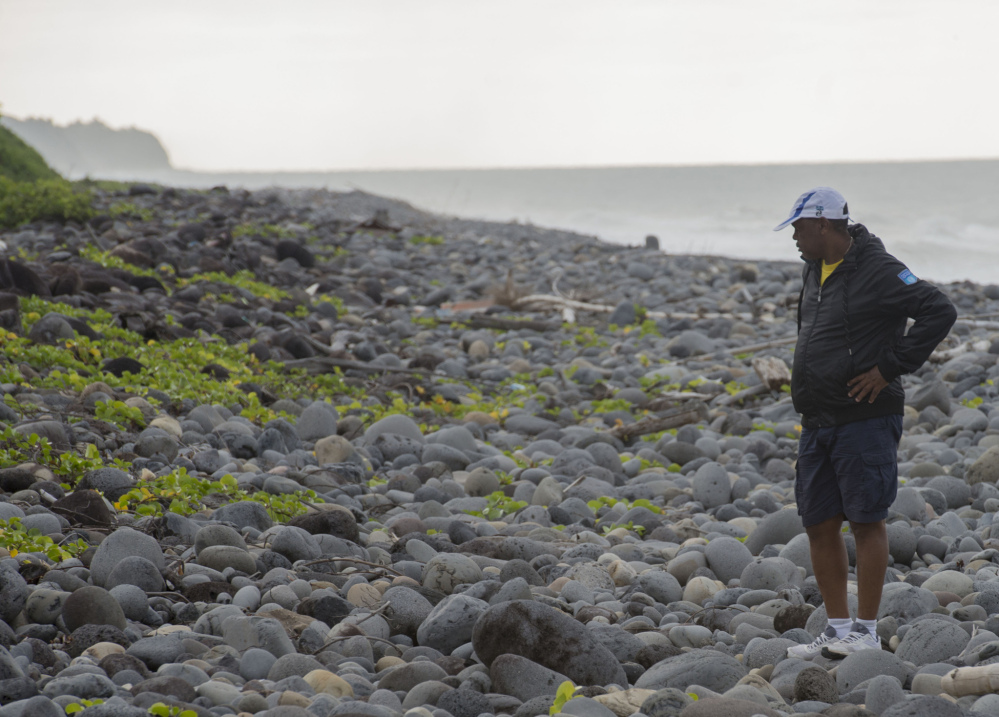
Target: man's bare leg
(830, 563)
(872, 562)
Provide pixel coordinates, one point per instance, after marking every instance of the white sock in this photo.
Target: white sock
(871, 625)
(841, 626)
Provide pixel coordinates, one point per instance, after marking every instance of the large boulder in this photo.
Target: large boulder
(124, 543)
(714, 670)
(549, 637)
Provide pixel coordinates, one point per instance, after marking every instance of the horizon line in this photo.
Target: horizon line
(523, 168)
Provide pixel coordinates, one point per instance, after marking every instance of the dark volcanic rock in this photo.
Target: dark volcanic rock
(83, 507)
(548, 637)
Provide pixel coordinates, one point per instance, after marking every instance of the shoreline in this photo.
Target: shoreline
(285, 474)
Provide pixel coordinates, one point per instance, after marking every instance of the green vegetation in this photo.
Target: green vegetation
(584, 337)
(272, 231)
(161, 709)
(431, 240)
(174, 367)
(31, 191)
(566, 691)
(16, 449)
(178, 492)
(42, 200)
(108, 261)
(245, 280)
(16, 539)
(498, 505)
(128, 211)
(20, 162)
(638, 529)
(74, 707)
(607, 501)
(121, 414)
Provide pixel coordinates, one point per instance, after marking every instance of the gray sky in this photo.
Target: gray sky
(325, 84)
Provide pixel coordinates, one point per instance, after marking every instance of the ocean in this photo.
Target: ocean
(940, 218)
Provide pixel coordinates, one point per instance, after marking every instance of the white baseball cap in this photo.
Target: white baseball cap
(818, 202)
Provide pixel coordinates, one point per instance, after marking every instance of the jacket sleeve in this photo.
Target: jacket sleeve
(932, 311)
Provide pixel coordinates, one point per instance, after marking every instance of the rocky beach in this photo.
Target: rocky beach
(296, 453)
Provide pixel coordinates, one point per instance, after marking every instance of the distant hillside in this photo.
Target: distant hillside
(90, 148)
(20, 162)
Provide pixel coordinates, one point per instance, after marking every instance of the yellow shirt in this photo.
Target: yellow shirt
(828, 269)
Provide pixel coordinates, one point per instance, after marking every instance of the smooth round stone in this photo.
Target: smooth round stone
(100, 650)
(295, 544)
(133, 601)
(247, 597)
(690, 636)
(281, 595)
(447, 570)
(364, 595)
(45, 523)
(699, 589)
(950, 581)
(138, 571)
(220, 557)
(121, 544)
(727, 558)
(323, 681)
(218, 693)
(883, 691)
(711, 485)
(256, 663)
(420, 551)
(92, 605)
(252, 703)
(480, 482)
(769, 574)
(861, 666)
(930, 641)
(217, 535)
(44, 606)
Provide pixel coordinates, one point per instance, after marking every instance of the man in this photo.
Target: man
(852, 348)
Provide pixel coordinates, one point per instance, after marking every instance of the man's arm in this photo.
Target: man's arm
(933, 313)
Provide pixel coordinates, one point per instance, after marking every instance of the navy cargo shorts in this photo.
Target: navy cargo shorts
(850, 469)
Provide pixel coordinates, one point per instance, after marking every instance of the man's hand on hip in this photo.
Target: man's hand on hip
(870, 382)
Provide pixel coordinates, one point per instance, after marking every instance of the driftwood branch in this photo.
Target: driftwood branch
(484, 321)
(939, 356)
(322, 561)
(741, 395)
(753, 348)
(541, 302)
(773, 372)
(326, 364)
(690, 412)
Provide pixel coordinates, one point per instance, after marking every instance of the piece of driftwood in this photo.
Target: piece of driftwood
(664, 400)
(537, 302)
(741, 395)
(689, 412)
(753, 348)
(326, 364)
(971, 681)
(945, 355)
(773, 372)
(484, 321)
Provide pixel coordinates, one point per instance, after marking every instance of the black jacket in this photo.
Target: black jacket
(857, 320)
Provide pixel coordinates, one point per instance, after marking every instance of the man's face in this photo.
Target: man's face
(809, 235)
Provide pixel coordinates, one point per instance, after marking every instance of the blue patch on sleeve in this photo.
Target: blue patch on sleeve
(908, 277)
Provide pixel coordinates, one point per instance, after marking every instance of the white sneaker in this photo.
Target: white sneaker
(813, 649)
(858, 639)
